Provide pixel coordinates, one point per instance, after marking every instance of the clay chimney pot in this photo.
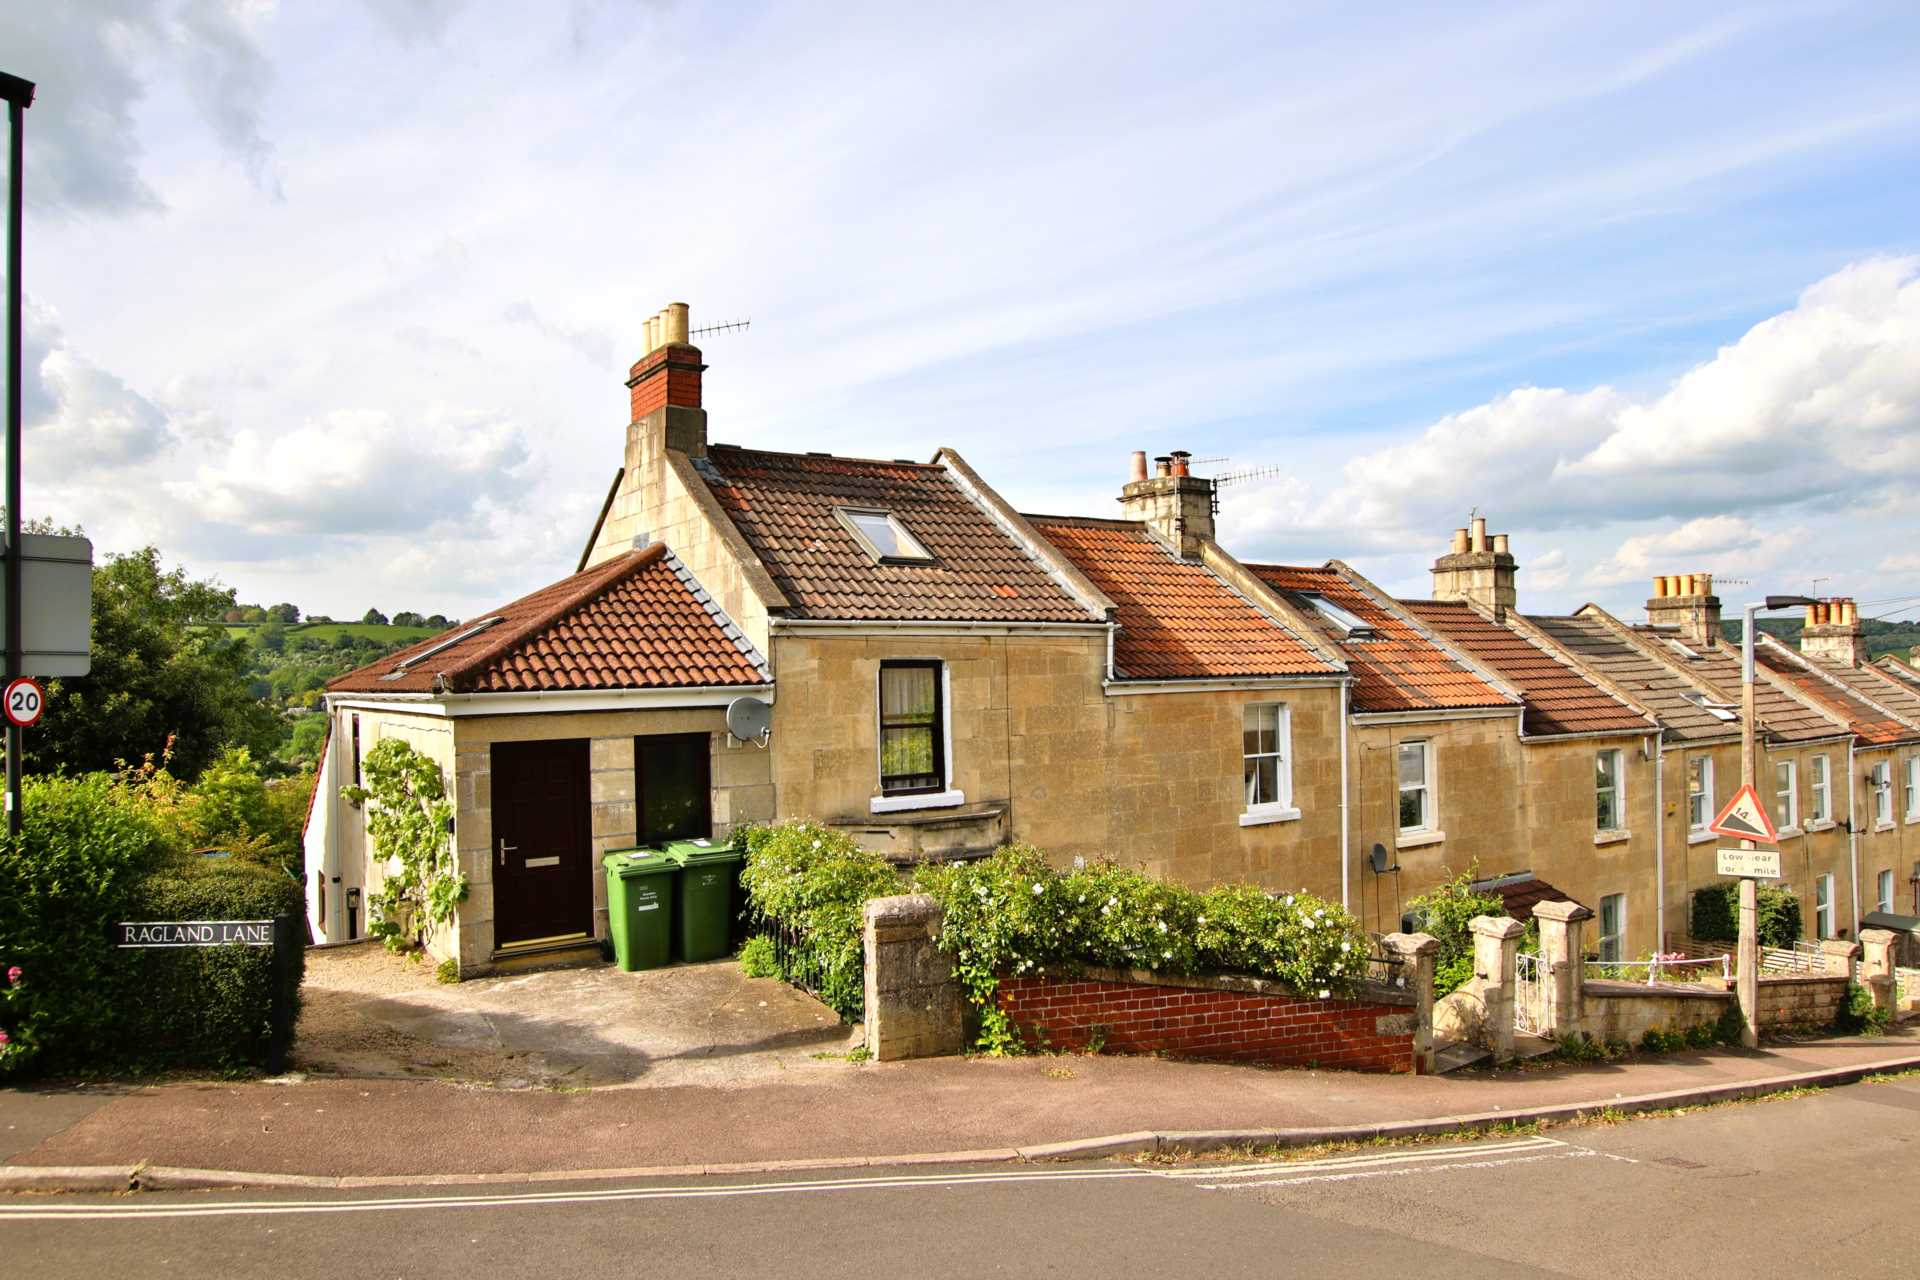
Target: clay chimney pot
(1138, 471)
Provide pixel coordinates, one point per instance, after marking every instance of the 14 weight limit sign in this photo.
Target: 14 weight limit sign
(26, 702)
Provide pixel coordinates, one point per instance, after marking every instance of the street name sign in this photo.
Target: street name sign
(1758, 864)
(1745, 818)
(195, 933)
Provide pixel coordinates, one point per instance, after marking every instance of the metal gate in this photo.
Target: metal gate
(1530, 994)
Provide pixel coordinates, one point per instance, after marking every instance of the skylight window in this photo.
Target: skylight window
(883, 536)
(1718, 710)
(1355, 627)
(446, 644)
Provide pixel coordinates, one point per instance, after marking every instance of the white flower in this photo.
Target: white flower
(1323, 993)
(1107, 910)
(1079, 861)
(1166, 955)
(1203, 919)
(1308, 922)
(1289, 899)
(1036, 888)
(1163, 926)
(1346, 946)
(816, 844)
(1083, 897)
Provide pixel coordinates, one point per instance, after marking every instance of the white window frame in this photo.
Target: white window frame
(1822, 789)
(1883, 891)
(910, 550)
(1882, 776)
(1619, 793)
(906, 802)
(1615, 942)
(1280, 809)
(1787, 819)
(1427, 821)
(1823, 905)
(1913, 789)
(1698, 820)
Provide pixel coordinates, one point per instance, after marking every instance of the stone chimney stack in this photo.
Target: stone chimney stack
(1175, 503)
(1833, 633)
(1686, 601)
(665, 384)
(1477, 569)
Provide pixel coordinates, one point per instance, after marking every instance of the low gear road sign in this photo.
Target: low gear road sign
(1745, 818)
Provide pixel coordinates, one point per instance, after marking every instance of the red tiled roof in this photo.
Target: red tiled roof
(1869, 723)
(1521, 892)
(1178, 620)
(783, 504)
(1399, 668)
(633, 622)
(1559, 699)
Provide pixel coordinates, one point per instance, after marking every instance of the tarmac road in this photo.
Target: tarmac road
(1819, 1185)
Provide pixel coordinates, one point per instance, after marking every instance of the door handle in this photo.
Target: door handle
(505, 849)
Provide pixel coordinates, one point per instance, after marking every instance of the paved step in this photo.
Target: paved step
(1455, 1054)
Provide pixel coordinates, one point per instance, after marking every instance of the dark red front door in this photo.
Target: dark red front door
(542, 841)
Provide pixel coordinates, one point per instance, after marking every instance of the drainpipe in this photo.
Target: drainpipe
(1111, 628)
(1659, 843)
(1853, 837)
(1346, 853)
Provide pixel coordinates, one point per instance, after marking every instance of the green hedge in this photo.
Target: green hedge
(1716, 914)
(94, 851)
(1445, 913)
(806, 888)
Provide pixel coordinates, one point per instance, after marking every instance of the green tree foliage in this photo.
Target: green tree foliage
(284, 612)
(374, 617)
(408, 618)
(1716, 914)
(1444, 913)
(161, 675)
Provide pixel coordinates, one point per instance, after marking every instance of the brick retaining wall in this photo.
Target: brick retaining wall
(1223, 1019)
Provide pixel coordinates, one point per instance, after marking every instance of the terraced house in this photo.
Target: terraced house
(941, 674)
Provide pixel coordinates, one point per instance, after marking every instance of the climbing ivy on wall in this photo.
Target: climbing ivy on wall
(409, 817)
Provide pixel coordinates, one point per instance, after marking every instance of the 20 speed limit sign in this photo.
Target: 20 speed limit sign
(26, 701)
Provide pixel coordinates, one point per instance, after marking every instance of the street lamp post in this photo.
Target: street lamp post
(19, 96)
(1748, 980)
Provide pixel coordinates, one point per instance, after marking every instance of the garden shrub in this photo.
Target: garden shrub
(1015, 914)
(1860, 1015)
(1716, 914)
(810, 885)
(99, 849)
(409, 821)
(1445, 913)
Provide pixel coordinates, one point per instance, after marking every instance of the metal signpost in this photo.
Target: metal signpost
(19, 96)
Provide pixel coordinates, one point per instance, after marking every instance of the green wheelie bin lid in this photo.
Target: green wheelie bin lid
(640, 906)
(704, 898)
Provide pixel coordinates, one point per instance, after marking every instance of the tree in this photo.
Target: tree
(160, 676)
(373, 617)
(407, 618)
(284, 612)
(272, 635)
(438, 620)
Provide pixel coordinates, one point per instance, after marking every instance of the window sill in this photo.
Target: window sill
(1700, 837)
(1789, 832)
(919, 800)
(1261, 817)
(1415, 839)
(1882, 826)
(1821, 824)
(1612, 837)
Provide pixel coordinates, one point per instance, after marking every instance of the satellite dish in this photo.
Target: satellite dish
(1377, 858)
(750, 720)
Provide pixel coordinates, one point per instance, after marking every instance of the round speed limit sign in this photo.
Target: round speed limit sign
(26, 700)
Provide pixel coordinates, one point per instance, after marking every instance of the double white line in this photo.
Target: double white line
(1233, 1176)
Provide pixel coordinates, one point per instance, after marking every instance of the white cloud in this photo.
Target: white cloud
(1729, 544)
(79, 418)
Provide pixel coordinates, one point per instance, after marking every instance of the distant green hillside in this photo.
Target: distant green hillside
(1882, 637)
(385, 634)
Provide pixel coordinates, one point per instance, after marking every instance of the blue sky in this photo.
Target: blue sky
(335, 301)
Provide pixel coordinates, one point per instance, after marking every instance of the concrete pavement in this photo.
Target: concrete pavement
(854, 1112)
(1809, 1187)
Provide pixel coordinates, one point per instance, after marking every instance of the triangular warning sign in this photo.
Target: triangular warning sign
(1745, 818)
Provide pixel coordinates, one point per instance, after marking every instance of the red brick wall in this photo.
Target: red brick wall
(668, 376)
(1210, 1024)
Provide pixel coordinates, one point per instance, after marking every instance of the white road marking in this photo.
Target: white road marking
(1337, 1168)
(1402, 1171)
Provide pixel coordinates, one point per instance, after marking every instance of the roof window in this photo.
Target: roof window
(1718, 710)
(883, 536)
(446, 644)
(1352, 624)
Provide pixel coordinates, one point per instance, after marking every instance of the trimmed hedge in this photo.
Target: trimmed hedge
(1716, 914)
(94, 852)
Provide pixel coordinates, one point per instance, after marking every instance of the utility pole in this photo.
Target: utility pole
(19, 96)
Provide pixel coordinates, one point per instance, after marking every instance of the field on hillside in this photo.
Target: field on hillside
(383, 634)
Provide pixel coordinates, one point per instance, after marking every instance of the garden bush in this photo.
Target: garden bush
(1015, 914)
(1445, 913)
(808, 886)
(1716, 914)
(96, 850)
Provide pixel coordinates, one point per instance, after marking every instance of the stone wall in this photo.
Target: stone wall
(1223, 1019)
(1801, 1002)
(1626, 1011)
(914, 1008)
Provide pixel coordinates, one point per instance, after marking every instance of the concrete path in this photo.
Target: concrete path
(843, 1112)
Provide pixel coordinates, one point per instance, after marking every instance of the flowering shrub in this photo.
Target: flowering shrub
(807, 886)
(1015, 914)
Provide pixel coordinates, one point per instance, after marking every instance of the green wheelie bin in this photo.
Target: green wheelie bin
(640, 900)
(703, 898)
